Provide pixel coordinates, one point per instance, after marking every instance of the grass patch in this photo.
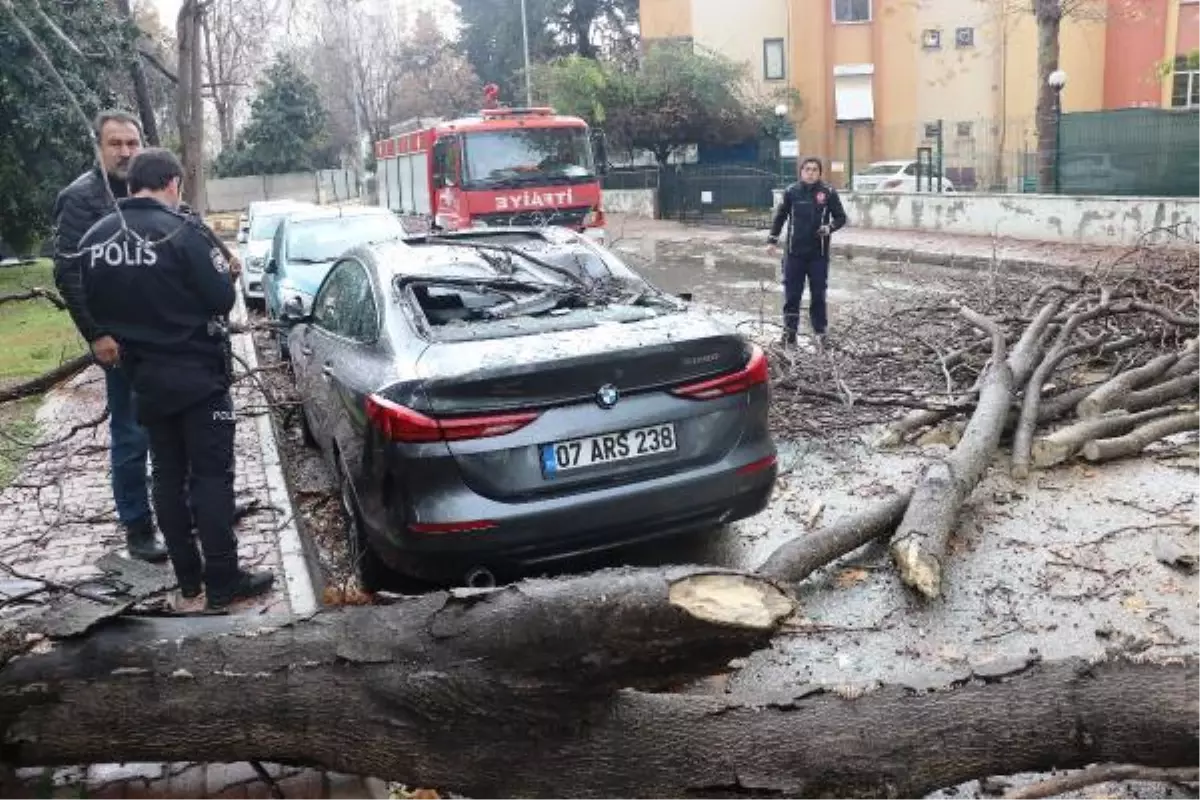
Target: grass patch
(36, 338)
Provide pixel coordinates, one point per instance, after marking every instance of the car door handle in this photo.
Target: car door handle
(327, 370)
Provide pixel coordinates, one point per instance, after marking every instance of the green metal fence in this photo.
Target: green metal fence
(1133, 151)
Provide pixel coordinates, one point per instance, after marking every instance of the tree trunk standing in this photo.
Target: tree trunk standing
(191, 103)
(141, 89)
(220, 102)
(1049, 22)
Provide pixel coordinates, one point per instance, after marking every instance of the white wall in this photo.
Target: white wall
(631, 202)
(1048, 218)
(326, 186)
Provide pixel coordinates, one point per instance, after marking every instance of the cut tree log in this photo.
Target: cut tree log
(1060, 350)
(1066, 442)
(1157, 395)
(514, 692)
(898, 431)
(920, 542)
(1141, 437)
(800, 557)
(1109, 394)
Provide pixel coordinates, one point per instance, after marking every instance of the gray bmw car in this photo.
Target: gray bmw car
(495, 401)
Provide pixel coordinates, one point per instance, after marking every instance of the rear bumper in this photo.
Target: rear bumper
(541, 532)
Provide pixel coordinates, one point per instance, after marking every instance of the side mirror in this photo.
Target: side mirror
(293, 310)
(272, 266)
(600, 152)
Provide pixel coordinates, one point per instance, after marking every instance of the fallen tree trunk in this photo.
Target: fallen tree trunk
(920, 542)
(1057, 447)
(1189, 360)
(42, 383)
(1140, 438)
(514, 693)
(800, 557)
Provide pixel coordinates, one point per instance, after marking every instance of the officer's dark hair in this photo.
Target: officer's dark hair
(812, 160)
(115, 115)
(152, 169)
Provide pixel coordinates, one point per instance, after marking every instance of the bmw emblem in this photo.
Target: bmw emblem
(607, 396)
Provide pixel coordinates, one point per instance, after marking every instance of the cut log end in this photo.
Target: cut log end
(735, 600)
(918, 569)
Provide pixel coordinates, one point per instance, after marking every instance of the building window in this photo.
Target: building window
(931, 39)
(964, 37)
(853, 92)
(851, 10)
(1185, 86)
(963, 130)
(773, 61)
(931, 130)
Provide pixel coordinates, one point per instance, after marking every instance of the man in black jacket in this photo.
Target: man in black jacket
(77, 208)
(155, 281)
(813, 212)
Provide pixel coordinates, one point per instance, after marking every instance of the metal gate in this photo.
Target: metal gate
(690, 192)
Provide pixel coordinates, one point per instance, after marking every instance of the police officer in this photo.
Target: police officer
(813, 212)
(154, 278)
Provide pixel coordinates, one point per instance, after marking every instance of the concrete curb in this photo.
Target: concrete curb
(301, 591)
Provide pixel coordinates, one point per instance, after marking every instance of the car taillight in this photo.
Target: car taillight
(402, 424)
(594, 218)
(753, 374)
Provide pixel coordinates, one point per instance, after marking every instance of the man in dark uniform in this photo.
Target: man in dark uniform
(813, 212)
(77, 208)
(154, 278)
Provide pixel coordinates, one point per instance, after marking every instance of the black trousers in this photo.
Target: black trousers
(192, 456)
(813, 268)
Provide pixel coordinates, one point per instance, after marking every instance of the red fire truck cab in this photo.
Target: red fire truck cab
(503, 167)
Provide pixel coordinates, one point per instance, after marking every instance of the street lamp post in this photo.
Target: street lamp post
(1057, 80)
(525, 39)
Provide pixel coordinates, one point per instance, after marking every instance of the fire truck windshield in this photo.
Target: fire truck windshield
(528, 156)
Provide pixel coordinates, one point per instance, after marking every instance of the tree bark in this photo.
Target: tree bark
(190, 104)
(1139, 438)
(1109, 395)
(1157, 395)
(1049, 22)
(800, 557)
(1065, 443)
(528, 681)
(920, 543)
(141, 89)
(44, 382)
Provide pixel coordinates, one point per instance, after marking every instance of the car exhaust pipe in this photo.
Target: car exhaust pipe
(480, 578)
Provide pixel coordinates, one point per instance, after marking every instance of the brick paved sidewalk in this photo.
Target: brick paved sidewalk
(56, 520)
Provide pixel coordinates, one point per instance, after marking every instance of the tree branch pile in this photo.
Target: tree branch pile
(1101, 367)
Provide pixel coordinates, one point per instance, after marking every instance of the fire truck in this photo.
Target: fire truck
(501, 167)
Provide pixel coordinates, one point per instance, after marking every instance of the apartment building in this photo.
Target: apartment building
(891, 69)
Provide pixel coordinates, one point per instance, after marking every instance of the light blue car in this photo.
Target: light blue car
(307, 244)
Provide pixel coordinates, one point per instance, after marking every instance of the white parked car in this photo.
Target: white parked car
(256, 230)
(896, 176)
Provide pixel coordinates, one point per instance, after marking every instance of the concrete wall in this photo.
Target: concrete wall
(1049, 218)
(739, 35)
(631, 202)
(325, 186)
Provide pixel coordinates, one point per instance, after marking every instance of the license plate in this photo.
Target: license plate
(608, 448)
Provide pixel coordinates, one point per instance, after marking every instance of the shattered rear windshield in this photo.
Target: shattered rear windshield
(464, 309)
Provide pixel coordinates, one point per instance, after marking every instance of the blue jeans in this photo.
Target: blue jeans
(796, 270)
(128, 449)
